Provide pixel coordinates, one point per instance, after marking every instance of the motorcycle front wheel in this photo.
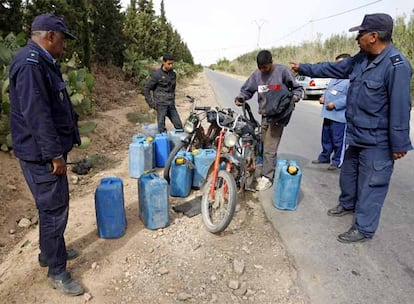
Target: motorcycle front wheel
(218, 211)
(181, 146)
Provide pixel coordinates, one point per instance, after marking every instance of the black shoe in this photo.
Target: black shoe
(339, 211)
(71, 254)
(64, 283)
(317, 161)
(332, 167)
(352, 236)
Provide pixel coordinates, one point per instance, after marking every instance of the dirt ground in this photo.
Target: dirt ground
(180, 263)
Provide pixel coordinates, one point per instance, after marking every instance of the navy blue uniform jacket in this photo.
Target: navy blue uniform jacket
(42, 120)
(379, 98)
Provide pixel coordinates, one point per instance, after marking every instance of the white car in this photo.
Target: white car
(313, 87)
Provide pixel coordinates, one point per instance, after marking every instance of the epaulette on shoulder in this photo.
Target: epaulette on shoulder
(33, 56)
(396, 59)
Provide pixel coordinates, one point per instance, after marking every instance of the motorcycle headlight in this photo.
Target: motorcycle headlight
(189, 127)
(191, 123)
(231, 140)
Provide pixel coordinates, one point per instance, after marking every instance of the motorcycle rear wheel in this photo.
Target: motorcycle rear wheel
(218, 212)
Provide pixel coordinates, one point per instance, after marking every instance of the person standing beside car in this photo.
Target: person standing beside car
(162, 85)
(378, 122)
(334, 123)
(269, 78)
(44, 130)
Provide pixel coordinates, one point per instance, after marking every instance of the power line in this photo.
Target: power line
(345, 12)
(293, 31)
(325, 18)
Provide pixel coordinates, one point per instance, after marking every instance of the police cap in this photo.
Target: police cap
(50, 22)
(375, 22)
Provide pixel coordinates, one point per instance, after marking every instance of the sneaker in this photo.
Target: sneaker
(263, 184)
(65, 284)
(71, 254)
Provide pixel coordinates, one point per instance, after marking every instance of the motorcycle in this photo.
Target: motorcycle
(195, 135)
(238, 148)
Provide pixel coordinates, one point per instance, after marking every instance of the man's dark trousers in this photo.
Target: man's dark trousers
(364, 180)
(169, 111)
(51, 194)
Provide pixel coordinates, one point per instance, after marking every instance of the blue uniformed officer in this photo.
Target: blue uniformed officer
(378, 122)
(44, 129)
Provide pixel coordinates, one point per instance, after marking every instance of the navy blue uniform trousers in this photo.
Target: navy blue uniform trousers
(332, 139)
(364, 180)
(51, 194)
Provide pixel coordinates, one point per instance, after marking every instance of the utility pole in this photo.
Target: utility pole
(259, 24)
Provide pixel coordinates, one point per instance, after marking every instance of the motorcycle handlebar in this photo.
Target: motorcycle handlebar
(202, 108)
(228, 120)
(191, 99)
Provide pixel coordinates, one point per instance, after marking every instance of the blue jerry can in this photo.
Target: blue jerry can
(175, 136)
(286, 190)
(150, 129)
(203, 158)
(109, 208)
(162, 149)
(279, 164)
(140, 156)
(153, 201)
(181, 174)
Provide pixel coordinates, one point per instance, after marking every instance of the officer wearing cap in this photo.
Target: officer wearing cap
(378, 122)
(44, 129)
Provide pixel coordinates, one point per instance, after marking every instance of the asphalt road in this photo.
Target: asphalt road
(378, 271)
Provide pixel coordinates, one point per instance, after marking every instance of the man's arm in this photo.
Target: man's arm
(339, 102)
(36, 110)
(248, 88)
(290, 81)
(150, 86)
(399, 92)
(340, 69)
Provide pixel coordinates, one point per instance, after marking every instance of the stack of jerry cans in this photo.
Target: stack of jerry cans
(162, 149)
(109, 208)
(181, 174)
(175, 136)
(141, 155)
(153, 201)
(203, 158)
(287, 186)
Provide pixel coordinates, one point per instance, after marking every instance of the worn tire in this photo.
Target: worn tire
(178, 147)
(225, 207)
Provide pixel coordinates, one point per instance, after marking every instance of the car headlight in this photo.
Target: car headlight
(231, 140)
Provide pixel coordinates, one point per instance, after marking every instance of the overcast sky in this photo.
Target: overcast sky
(215, 29)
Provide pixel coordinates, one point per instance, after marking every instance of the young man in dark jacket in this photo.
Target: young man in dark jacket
(162, 85)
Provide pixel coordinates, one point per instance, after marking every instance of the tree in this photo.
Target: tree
(11, 10)
(107, 36)
(75, 14)
(142, 30)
